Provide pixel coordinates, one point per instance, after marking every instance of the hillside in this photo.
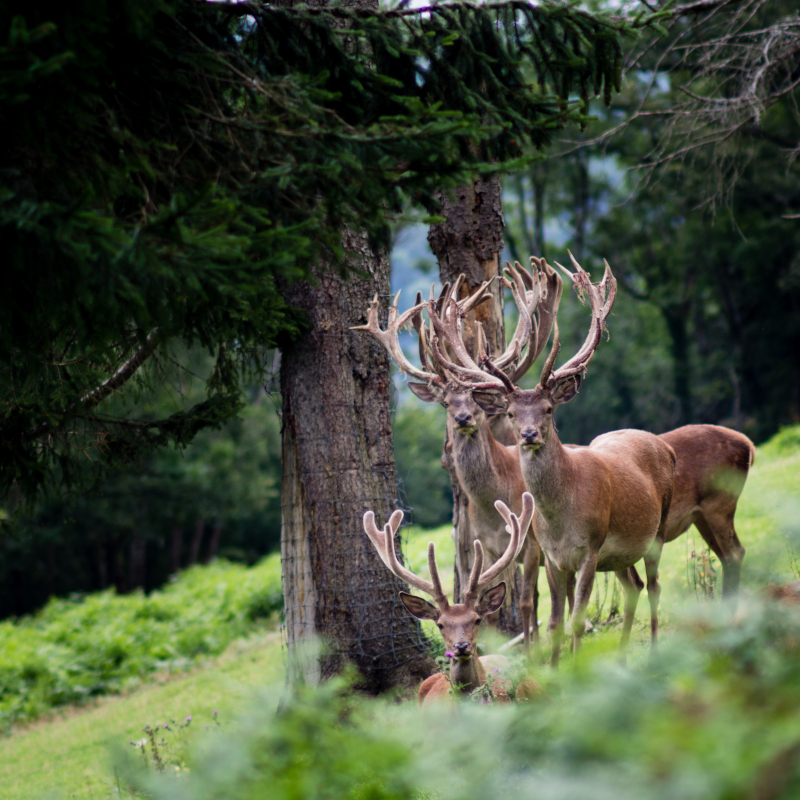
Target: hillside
(70, 750)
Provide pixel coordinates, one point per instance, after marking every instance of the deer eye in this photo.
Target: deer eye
(478, 621)
(510, 415)
(439, 626)
(445, 404)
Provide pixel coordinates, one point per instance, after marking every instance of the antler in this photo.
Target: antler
(601, 300)
(526, 291)
(536, 296)
(517, 527)
(550, 288)
(383, 540)
(389, 337)
(446, 316)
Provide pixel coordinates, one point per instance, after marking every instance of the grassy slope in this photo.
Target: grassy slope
(67, 755)
(766, 521)
(70, 752)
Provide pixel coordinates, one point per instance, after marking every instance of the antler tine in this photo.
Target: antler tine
(517, 527)
(548, 309)
(601, 307)
(475, 299)
(473, 584)
(439, 596)
(448, 329)
(551, 357)
(383, 540)
(428, 364)
(443, 295)
(464, 376)
(526, 302)
(499, 374)
(389, 337)
(528, 508)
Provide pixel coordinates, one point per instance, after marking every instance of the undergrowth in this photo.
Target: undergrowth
(105, 643)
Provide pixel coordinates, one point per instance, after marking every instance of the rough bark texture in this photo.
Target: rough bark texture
(470, 241)
(338, 462)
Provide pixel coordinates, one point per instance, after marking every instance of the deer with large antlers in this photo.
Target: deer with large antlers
(599, 508)
(486, 469)
(459, 623)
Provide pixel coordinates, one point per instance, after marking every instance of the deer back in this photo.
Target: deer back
(711, 468)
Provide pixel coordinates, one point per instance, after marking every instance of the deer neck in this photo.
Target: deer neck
(476, 458)
(547, 473)
(466, 676)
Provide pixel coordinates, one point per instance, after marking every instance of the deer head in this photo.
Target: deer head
(459, 623)
(531, 412)
(453, 376)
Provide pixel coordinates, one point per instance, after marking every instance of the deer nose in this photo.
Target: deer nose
(463, 419)
(462, 648)
(530, 435)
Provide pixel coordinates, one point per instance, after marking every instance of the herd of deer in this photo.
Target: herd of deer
(602, 507)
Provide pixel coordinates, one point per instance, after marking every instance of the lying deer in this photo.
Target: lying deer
(460, 623)
(486, 469)
(599, 508)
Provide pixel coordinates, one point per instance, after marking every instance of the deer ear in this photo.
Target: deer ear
(566, 390)
(491, 402)
(420, 608)
(428, 394)
(492, 599)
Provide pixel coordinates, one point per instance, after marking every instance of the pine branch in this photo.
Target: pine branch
(105, 389)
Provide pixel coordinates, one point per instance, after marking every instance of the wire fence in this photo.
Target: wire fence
(335, 585)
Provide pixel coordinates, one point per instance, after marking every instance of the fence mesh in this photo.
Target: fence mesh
(341, 587)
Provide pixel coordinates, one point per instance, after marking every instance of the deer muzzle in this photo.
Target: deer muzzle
(531, 440)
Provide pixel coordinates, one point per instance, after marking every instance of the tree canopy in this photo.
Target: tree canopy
(167, 164)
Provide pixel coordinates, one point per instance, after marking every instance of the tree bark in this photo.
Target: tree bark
(213, 545)
(137, 564)
(471, 241)
(197, 538)
(338, 462)
(176, 547)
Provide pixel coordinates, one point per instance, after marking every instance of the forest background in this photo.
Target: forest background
(706, 329)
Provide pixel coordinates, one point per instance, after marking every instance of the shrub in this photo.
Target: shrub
(714, 717)
(104, 643)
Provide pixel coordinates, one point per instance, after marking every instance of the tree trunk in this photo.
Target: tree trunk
(338, 463)
(137, 563)
(176, 547)
(471, 241)
(197, 538)
(213, 545)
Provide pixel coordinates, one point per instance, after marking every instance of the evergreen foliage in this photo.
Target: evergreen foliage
(138, 526)
(165, 164)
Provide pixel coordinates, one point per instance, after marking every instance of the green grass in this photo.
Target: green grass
(99, 644)
(767, 521)
(68, 754)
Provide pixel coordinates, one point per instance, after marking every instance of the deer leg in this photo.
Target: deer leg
(583, 594)
(653, 586)
(529, 604)
(632, 587)
(716, 528)
(571, 592)
(557, 580)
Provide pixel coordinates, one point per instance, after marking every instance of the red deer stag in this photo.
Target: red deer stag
(486, 469)
(601, 507)
(711, 469)
(459, 623)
